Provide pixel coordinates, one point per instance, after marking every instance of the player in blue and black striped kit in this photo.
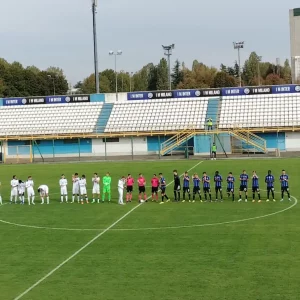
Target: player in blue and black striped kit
(269, 180)
(196, 188)
(255, 187)
(284, 180)
(218, 185)
(244, 185)
(163, 186)
(230, 185)
(206, 186)
(186, 186)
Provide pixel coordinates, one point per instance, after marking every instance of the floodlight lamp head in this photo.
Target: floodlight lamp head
(111, 53)
(119, 52)
(173, 46)
(238, 45)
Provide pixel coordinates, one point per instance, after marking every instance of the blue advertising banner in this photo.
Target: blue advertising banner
(244, 91)
(137, 96)
(174, 94)
(187, 93)
(46, 100)
(150, 95)
(281, 89)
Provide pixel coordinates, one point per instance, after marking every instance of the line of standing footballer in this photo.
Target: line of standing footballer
(158, 184)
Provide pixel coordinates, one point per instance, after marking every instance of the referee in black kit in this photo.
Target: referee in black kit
(176, 186)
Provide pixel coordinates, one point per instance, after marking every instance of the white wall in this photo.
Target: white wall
(123, 147)
(292, 141)
(111, 98)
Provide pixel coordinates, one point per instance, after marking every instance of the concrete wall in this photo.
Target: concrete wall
(274, 140)
(123, 147)
(111, 97)
(202, 144)
(48, 147)
(292, 141)
(97, 97)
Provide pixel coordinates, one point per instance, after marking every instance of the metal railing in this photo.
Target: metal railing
(9, 133)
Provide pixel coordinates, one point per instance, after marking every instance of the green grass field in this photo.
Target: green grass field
(175, 251)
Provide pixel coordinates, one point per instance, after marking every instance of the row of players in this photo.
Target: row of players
(218, 179)
(79, 188)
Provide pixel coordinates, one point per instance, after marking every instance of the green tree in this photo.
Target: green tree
(177, 75)
(140, 80)
(223, 68)
(153, 78)
(2, 88)
(274, 79)
(195, 64)
(250, 70)
(33, 69)
(286, 73)
(162, 75)
(111, 76)
(223, 79)
(201, 76)
(105, 84)
(236, 69)
(78, 85)
(230, 71)
(88, 85)
(55, 71)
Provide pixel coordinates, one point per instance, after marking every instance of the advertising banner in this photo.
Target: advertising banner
(46, 100)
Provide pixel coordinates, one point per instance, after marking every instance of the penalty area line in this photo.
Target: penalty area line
(87, 244)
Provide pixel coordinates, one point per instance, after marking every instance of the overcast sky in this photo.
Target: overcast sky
(59, 32)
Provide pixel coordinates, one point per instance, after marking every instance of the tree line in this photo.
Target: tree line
(153, 77)
(18, 81)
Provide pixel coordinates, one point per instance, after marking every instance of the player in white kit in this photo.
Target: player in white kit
(82, 188)
(14, 183)
(21, 191)
(29, 184)
(75, 190)
(44, 192)
(121, 185)
(96, 187)
(63, 182)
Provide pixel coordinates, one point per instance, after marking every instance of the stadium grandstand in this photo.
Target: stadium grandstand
(248, 119)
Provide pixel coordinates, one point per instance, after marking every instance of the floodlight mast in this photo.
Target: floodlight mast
(94, 11)
(238, 46)
(259, 59)
(168, 53)
(116, 53)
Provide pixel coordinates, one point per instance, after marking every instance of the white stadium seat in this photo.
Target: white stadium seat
(260, 111)
(163, 114)
(49, 119)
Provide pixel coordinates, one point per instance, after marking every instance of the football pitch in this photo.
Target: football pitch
(175, 251)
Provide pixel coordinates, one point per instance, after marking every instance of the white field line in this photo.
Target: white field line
(87, 244)
(153, 228)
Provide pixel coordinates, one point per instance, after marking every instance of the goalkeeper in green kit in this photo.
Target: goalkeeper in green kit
(106, 187)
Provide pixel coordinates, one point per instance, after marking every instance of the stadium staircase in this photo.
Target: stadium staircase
(249, 139)
(177, 140)
(103, 117)
(213, 110)
(188, 133)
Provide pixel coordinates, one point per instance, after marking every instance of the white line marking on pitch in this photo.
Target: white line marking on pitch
(87, 244)
(155, 228)
(211, 224)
